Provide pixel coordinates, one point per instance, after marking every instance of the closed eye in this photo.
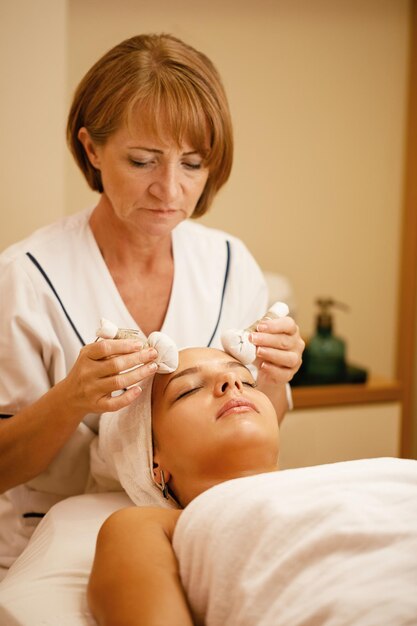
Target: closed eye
(187, 393)
(193, 166)
(139, 163)
(249, 384)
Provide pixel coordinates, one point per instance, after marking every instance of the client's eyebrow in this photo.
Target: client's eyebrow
(197, 368)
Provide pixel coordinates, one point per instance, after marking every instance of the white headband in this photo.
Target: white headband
(123, 452)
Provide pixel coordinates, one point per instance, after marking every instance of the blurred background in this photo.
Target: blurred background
(318, 91)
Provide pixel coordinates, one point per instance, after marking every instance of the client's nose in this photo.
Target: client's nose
(228, 381)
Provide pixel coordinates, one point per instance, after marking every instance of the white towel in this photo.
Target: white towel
(332, 544)
(122, 453)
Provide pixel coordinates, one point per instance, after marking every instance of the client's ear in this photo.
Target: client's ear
(157, 469)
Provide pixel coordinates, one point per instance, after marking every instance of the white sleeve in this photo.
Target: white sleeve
(26, 345)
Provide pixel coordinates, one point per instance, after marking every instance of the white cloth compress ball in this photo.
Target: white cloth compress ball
(167, 352)
(236, 342)
(167, 359)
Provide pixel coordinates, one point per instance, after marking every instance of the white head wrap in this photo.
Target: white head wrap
(123, 454)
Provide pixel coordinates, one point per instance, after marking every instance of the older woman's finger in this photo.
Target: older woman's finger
(116, 402)
(120, 363)
(278, 325)
(106, 348)
(281, 358)
(280, 341)
(271, 373)
(123, 380)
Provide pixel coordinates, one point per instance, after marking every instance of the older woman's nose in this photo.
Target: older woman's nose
(166, 185)
(228, 381)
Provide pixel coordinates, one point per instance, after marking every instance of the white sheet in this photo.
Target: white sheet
(46, 585)
(310, 546)
(333, 544)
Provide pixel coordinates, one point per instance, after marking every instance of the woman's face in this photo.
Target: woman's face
(149, 182)
(210, 420)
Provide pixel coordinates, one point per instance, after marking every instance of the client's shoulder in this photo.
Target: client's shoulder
(139, 518)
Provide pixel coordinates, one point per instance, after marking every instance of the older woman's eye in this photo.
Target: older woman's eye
(193, 165)
(138, 163)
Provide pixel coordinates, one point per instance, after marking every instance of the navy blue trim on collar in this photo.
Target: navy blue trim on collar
(82, 342)
(226, 276)
(46, 277)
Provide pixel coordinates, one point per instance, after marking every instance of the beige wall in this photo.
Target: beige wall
(33, 104)
(317, 90)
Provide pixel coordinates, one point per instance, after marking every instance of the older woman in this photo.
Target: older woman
(150, 129)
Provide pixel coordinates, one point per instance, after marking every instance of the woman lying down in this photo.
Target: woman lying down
(333, 544)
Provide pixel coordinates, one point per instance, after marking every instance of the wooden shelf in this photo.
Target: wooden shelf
(374, 390)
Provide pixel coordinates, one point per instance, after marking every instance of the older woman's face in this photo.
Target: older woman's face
(209, 418)
(150, 182)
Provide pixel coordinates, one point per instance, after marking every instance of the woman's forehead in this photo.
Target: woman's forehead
(196, 356)
(199, 357)
(190, 358)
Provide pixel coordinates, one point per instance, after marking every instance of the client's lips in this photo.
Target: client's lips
(238, 405)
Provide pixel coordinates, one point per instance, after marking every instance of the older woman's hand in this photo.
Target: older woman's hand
(279, 349)
(105, 367)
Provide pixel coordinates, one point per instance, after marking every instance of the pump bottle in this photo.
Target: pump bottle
(325, 354)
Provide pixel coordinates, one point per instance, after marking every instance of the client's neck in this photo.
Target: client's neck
(190, 488)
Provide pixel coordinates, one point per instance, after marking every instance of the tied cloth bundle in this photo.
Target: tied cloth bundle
(167, 358)
(236, 341)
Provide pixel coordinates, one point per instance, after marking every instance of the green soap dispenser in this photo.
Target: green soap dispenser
(325, 354)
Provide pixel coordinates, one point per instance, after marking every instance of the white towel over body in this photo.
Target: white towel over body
(333, 544)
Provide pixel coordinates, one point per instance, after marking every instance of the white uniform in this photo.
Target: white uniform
(55, 287)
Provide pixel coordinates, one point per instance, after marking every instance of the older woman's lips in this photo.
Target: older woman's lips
(164, 211)
(236, 406)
